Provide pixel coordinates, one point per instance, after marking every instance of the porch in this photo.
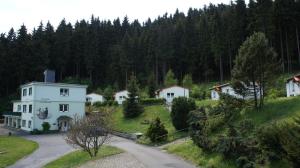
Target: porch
(12, 119)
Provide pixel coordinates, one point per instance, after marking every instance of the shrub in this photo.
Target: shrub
(180, 109)
(36, 132)
(46, 126)
(157, 132)
(87, 103)
(152, 101)
(105, 103)
(246, 126)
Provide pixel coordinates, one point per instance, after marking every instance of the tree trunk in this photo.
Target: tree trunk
(298, 47)
(221, 70)
(281, 49)
(254, 90)
(287, 52)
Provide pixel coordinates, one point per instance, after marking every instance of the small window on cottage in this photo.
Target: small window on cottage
(19, 108)
(227, 90)
(214, 94)
(168, 95)
(30, 91)
(24, 92)
(24, 108)
(29, 124)
(293, 87)
(64, 92)
(172, 94)
(63, 107)
(30, 108)
(121, 97)
(23, 123)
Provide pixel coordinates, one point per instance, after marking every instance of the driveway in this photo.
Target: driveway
(151, 157)
(51, 147)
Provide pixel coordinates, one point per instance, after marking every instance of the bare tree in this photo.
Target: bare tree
(90, 132)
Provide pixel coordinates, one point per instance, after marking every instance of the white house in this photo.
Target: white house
(228, 89)
(172, 92)
(55, 103)
(121, 96)
(293, 86)
(94, 97)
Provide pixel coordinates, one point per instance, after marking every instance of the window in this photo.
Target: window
(24, 109)
(64, 92)
(168, 95)
(19, 108)
(214, 94)
(24, 92)
(30, 108)
(227, 90)
(63, 107)
(293, 87)
(120, 97)
(30, 91)
(29, 124)
(172, 94)
(23, 123)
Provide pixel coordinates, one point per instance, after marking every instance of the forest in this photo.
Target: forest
(203, 43)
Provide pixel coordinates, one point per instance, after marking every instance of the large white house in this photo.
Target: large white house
(293, 86)
(172, 92)
(121, 96)
(94, 97)
(55, 103)
(228, 89)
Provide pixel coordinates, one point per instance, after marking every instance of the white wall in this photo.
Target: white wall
(178, 92)
(230, 91)
(121, 96)
(292, 89)
(94, 98)
(75, 108)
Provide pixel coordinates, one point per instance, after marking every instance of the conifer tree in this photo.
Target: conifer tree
(170, 79)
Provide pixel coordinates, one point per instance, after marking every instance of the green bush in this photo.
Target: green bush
(180, 109)
(157, 131)
(46, 126)
(152, 101)
(36, 132)
(87, 103)
(105, 103)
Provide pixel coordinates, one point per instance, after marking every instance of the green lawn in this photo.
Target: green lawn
(191, 152)
(278, 109)
(206, 102)
(138, 124)
(79, 157)
(14, 148)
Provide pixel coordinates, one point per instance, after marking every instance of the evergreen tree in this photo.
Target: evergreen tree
(151, 86)
(132, 106)
(170, 79)
(255, 63)
(187, 81)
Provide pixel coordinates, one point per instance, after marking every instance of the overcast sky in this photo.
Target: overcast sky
(13, 13)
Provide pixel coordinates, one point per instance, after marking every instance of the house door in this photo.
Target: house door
(64, 125)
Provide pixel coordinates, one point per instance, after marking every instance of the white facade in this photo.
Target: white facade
(292, 88)
(55, 103)
(228, 89)
(121, 96)
(93, 97)
(172, 92)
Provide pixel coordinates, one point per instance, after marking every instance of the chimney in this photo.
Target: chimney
(49, 76)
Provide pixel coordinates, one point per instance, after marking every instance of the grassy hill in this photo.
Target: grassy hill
(142, 122)
(274, 110)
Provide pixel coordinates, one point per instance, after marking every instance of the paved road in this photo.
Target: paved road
(54, 146)
(151, 157)
(50, 148)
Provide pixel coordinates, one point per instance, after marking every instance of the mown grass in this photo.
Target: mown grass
(14, 148)
(282, 109)
(142, 122)
(189, 151)
(79, 157)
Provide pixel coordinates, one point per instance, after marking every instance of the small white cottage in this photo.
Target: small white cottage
(293, 86)
(121, 96)
(94, 97)
(228, 89)
(172, 92)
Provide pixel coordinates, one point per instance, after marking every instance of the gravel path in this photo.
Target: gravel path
(123, 160)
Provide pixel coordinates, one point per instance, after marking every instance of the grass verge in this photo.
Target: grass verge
(79, 157)
(14, 148)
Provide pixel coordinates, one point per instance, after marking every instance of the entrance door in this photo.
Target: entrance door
(64, 125)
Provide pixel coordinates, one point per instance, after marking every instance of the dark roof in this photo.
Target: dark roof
(12, 113)
(219, 86)
(296, 78)
(64, 118)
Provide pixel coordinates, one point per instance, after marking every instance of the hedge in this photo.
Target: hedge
(152, 101)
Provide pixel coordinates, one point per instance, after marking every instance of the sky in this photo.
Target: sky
(14, 13)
